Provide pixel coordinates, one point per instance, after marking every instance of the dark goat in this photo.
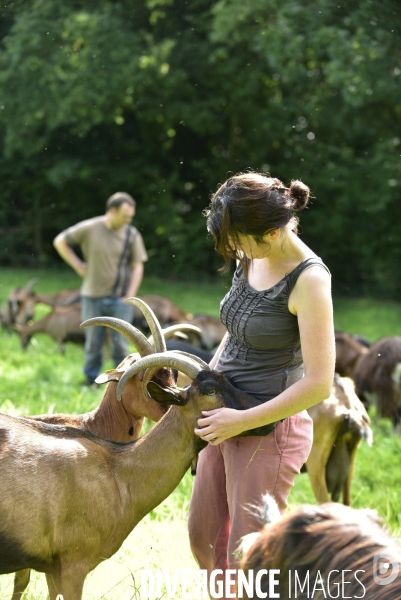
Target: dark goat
(183, 346)
(377, 378)
(325, 549)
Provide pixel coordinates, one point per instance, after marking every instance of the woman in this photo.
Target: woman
(279, 348)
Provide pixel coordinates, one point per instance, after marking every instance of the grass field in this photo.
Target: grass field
(39, 379)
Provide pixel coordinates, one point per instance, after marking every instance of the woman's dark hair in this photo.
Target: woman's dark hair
(252, 204)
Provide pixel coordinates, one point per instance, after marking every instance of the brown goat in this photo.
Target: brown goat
(377, 378)
(61, 298)
(349, 350)
(21, 302)
(340, 423)
(69, 498)
(117, 421)
(62, 324)
(326, 551)
(165, 310)
(212, 331)
(113, 420)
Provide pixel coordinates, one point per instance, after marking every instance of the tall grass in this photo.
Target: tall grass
(40, 380)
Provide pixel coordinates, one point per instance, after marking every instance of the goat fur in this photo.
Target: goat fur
(340, 423)
(320, 540)
(377, 378)
(119, 421)
(70, 498)
(62, 324)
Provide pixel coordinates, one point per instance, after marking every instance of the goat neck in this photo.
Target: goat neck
(162, 456)
(111, 420)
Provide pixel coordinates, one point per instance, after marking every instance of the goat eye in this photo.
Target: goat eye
(211, 393)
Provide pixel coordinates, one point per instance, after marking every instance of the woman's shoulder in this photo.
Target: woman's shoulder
(313, 262)
(310, 274)
(313, 281)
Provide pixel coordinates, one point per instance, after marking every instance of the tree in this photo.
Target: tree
(165, 98)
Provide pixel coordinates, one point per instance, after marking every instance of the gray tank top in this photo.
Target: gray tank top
(262, 355)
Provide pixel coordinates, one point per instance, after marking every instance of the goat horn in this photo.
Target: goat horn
(185, 364)
(149, 373)
(168, 332)
(133, 334)
(31, 283)
(154, 325)
(193, 357)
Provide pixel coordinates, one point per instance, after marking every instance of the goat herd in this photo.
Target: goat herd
(98, 456)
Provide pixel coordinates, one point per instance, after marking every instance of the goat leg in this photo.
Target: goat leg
(68, 583)
(347, 485)
(21, 580)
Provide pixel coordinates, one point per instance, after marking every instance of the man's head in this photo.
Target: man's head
(120, 209)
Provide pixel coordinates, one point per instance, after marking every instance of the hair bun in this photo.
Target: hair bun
(300, 194)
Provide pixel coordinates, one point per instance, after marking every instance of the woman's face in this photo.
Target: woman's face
(251, 248)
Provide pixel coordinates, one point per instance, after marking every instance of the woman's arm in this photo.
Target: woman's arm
(311, 302)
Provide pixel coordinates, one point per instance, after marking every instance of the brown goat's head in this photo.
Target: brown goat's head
(21, 303)
(132, 398)
(163, 375)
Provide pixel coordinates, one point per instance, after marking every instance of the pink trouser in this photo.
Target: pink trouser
(232, 477)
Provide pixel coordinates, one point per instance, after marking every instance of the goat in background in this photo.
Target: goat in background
(62, 324)
(376, 371)
(340, 423)
(19, 308)
(349, 351)
(377, 378)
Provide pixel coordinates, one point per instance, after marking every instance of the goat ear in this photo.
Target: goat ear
(167, 395)
(112, 375)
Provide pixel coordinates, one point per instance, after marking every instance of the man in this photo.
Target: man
(112, 271)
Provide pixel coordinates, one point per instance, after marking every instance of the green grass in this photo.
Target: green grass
(371, 318)
(38, 380)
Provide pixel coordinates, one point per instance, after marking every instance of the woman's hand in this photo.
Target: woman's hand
(220, 424)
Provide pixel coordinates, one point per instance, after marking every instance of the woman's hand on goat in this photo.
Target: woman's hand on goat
(220, 424)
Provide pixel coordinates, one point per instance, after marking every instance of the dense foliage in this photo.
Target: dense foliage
(163, 98)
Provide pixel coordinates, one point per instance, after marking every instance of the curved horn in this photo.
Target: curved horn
(151, 319)
(163, 359)
(31, 283)
(149, 373)
(133, 334)
(193, 357)
(168, 332)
